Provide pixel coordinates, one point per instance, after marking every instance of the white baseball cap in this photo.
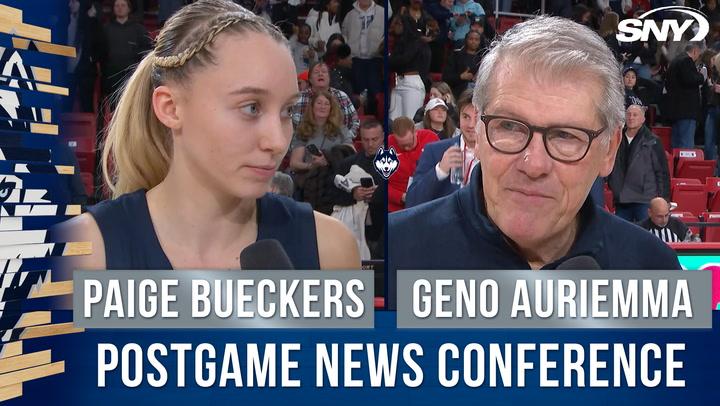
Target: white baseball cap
(432, 103)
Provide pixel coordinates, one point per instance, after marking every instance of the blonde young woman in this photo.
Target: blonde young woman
(321, 126)
(200, 128)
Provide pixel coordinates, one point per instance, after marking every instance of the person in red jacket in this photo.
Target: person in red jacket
(408, 143)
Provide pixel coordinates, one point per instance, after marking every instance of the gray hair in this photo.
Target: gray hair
(554, 47)
(695, 45)
(282, 184)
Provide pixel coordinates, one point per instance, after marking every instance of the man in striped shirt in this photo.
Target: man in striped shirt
(665, 227)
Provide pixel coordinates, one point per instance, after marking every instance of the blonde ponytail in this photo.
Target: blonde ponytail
(137, 147)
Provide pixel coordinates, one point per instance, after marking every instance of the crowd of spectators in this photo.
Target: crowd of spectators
(436, 46)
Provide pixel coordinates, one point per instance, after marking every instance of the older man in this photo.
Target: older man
(549, 124)
(641, 170)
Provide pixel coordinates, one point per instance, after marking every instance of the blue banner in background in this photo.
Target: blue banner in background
(78, 385)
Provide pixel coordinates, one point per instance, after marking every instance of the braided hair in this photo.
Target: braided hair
(137, 149)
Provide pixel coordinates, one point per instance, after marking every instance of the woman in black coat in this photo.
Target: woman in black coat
(463, 64)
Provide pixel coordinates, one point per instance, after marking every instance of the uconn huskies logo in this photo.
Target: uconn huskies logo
(386, 162)
(634, 29)
(12, 73)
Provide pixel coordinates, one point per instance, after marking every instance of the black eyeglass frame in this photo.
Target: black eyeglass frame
(486, 118)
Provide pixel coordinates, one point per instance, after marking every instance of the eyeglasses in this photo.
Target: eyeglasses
(512, 136)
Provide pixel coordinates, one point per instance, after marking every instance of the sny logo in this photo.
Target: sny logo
(634, 29)
(386, 162)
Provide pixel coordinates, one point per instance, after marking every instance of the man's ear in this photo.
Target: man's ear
(608, 160)
(165, 105)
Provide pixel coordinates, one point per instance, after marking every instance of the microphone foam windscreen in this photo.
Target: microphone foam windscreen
(579, 263)
(265, 255)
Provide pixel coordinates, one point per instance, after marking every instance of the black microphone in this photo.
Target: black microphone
(265, 255)
(579, 263)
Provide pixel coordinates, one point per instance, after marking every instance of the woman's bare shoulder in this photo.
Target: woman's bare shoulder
(84, 228)
(336, 244)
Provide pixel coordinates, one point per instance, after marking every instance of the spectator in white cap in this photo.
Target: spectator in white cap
(437, 120)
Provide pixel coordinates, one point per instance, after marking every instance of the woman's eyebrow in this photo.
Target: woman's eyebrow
(249, 90)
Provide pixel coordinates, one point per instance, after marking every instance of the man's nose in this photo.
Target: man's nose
(534, 160)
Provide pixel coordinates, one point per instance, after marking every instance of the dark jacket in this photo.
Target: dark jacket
(638, 49)
(442, 16)
(455, 233)
(88, 42)
(425, 185)
(124, 46)
(378, 206)
(341, 79)
(459, 62)
(317, 184)
(641, 171)
(682, 82)
(411, 54)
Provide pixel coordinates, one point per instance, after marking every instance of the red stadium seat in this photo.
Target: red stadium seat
(688, 153)
(712, 184)
(696, 169)
(712, 234)
(714, 202)
(436, 76)
(689, 197)
(506, 23)
(683, 181)
(78, 132)
(687, 217)
(664, 134)
(712, 187)
(86, 161)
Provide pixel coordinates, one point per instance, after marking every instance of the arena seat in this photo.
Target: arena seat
(712, 234)
(695, 168)
(688, 153)
(712, 184)
(683, 181)
(78, 133)
(506, 23)
(689, 197)
(687, 217)
(712, 187)
(664, 134)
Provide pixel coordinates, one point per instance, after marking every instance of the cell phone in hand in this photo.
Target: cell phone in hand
(313, 149)
(367, 182)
